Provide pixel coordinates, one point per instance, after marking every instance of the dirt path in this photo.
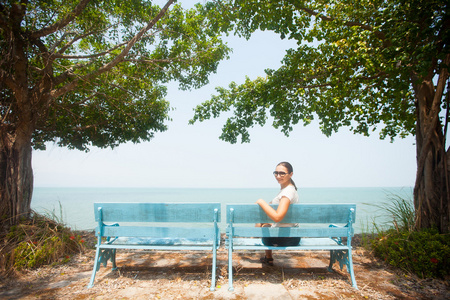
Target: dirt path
(186, 275)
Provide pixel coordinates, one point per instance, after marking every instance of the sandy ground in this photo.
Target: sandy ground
(187, 275)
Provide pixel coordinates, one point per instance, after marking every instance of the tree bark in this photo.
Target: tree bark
(431, 191)
(16, 178)
(16, 129)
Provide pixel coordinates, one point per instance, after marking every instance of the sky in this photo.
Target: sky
(193, 156)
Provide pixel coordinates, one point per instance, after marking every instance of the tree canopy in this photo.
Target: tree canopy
(352, 67)
(94, 71)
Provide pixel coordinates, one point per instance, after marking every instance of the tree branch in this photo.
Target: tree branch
(432, 117)
(57, 55)
(3, 17)
(378, 34)
(17, 14)
(135, 39)
(69, 72)
(363, 78)
(118, 58)
(76, 38)
(62, 23)
(52, 48)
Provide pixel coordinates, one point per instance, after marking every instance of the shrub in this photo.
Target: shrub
(425, 253)
(38, 241)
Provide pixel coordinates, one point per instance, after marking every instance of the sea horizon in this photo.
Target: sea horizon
(74, 205)
(181, 187)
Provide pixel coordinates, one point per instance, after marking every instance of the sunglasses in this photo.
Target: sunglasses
(276, 173)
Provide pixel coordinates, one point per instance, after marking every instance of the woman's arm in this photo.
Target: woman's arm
(275, 215)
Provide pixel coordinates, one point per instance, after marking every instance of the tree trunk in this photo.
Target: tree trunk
(431, 191)
(16, 177)
(16, 128)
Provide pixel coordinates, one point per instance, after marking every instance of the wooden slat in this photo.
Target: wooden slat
(304, 242)
(299, 248)
(297, 213)
(290, 232)
(158, 232)
(159, 243)
(158, 247)
(157, 212)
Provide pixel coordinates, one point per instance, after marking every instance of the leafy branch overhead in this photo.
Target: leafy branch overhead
(92, 73)
(355, 65)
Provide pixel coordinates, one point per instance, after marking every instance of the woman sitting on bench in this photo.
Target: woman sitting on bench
(287, 195)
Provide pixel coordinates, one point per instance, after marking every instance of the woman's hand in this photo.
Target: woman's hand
(275, 215)
(260, 201)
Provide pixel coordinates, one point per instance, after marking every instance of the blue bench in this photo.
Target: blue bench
(317, 229)
(153, 226)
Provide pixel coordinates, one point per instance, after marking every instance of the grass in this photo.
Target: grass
(42, 239)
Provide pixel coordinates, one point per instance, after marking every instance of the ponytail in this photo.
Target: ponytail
(293, 183)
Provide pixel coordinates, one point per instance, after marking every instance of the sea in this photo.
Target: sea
(75, 206)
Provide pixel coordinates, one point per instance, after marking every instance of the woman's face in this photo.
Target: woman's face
(283, 180)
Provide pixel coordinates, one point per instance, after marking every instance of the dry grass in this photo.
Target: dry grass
(37, 241)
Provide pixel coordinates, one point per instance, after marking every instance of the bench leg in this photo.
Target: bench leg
(113, 259)
(108, 254)
(350, 269)
(101, 257)
(230, 269)
(344, 258)
(213, 270)
(336, 255)
(96, 267)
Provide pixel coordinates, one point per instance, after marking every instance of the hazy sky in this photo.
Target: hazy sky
(193, 156)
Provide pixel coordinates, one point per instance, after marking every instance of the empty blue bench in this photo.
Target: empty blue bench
(147, 227)
(321, 227)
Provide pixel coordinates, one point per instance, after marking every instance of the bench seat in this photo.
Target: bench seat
(305, 244)
(160, 243)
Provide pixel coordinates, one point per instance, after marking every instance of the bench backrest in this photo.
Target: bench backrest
(323, 214)
(162, 213)
(297, 213)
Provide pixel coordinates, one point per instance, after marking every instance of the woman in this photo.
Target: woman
(287, 196)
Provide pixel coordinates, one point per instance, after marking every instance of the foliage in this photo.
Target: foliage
(96, 70)
(425, 253)
(36, 242)
(352, 66)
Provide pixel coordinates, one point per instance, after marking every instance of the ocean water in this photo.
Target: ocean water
(74, 206)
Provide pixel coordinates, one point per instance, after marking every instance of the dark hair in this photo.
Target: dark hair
(290, 169)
